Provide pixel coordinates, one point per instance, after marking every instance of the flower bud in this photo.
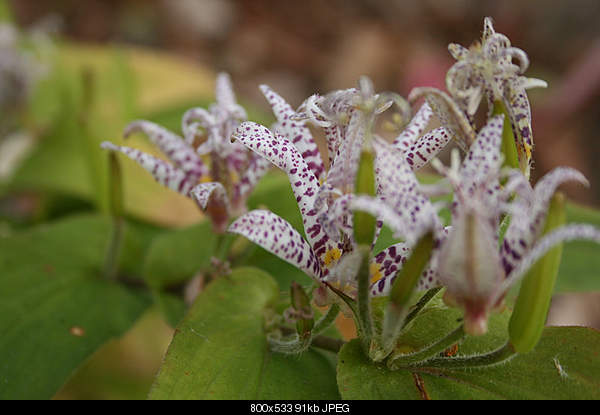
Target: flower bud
(469, 268)
(302, 310)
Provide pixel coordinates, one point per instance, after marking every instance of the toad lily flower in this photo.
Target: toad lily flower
(330, 253)
(218, 174)
(472, 267)
(326, 255)
(488, 68)
(402, 206)
(337, 112)
(524, 243)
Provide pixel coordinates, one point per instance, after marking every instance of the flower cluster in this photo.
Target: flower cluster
(326, 197)
(497, 226)
(205, 165)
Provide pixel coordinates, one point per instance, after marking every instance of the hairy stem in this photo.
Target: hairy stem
(427, 353)
(364, 302)
(298, 345)
(498, 356)
(326, 320)
(423, 301)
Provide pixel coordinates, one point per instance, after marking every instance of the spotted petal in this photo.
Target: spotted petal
(204, 192)
(399, 187)
(212, 198)
(194, 118)
(281, 152)
(563, 234)
(529, 213)
(258, 167)
(457, 51)
(414, 129)
(278, 237)
(427, 147)
(449, 114)
(295, 131)
(342, 172)
(163, 172)
(173, 146)
(484, 158)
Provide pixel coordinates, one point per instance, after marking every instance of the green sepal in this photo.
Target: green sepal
(365, 223)
(509, 144)
(531, 308)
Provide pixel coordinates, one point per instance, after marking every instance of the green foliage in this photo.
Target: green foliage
(564, 365)
(55, 307)
(580, 264)
(220, 350)
(174, 258)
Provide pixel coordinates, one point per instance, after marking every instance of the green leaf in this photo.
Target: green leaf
(580, 264)
(174, 258)
(220, 350)
(564, 365)
(177, 256)
(55, 308)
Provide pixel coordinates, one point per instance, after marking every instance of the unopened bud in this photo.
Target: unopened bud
(302, 309)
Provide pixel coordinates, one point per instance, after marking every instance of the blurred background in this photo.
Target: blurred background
(299, 48)
(302, 47)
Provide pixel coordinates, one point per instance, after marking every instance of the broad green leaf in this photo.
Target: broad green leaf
(124, 368)
(178, 255)
(175, 257)
(564, 365)
(55, 307)
(220, 351)
(580, 263)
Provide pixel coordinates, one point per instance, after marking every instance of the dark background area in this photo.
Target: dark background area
(302, 47)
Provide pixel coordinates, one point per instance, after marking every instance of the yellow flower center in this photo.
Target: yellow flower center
(206, 179)
(375, 272)
(332, 256)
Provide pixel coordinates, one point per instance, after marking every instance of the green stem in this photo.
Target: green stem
(427, 353)
(116, 210)
(114, 249)
(498, 356)
(299, 345)
(365, 321)
(423, 301)
(325, 321)
(294, 346)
